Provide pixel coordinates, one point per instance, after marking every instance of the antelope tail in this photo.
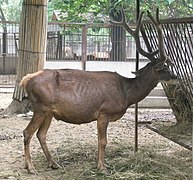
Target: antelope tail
(23, 83)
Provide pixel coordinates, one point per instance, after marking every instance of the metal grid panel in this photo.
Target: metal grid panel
(178, 41)
(9, 34)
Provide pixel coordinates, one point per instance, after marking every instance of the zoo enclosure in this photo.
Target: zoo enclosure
(80, 43)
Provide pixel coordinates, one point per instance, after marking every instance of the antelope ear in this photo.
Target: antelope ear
(136, 73)
(139, 72)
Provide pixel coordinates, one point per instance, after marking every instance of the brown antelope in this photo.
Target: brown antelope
(78, 97)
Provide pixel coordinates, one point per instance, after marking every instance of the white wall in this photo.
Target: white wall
(123, 68)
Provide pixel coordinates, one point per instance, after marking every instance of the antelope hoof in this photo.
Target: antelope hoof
(54, 165)
(32, 171)
(104, 171)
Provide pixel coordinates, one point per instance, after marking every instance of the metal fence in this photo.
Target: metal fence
(66, 42)
(178, 41)
(79, 42)
(9, 32)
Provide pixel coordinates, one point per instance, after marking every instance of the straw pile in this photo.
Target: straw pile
(180, 101)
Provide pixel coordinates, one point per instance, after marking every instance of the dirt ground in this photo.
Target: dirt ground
(70, 137)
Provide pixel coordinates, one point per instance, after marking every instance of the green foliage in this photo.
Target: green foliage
(78, 10)
(81, 10)
(11, 9)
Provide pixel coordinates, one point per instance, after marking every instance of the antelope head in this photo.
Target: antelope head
(159, 62)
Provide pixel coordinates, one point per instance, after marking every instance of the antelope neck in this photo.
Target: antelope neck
(142, 86)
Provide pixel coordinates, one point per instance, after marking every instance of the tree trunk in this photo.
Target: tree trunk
(32, 45)
(118, 37)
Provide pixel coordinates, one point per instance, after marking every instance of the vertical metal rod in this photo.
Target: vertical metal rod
(137, 67)
(84, 46)
(4, 50)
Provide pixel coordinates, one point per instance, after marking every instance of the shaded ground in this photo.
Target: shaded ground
(75, 147)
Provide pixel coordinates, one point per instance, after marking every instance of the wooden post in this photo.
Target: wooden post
(84, 46)
(32, 41)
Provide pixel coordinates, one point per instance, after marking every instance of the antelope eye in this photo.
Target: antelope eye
(165, 66)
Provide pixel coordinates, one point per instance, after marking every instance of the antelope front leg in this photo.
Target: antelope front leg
(102, 141)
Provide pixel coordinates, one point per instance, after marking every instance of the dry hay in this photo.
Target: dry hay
(180, 102)
(78, 162)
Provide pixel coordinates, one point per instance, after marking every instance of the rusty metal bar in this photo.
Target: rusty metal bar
(137, 67)
(170, 138)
